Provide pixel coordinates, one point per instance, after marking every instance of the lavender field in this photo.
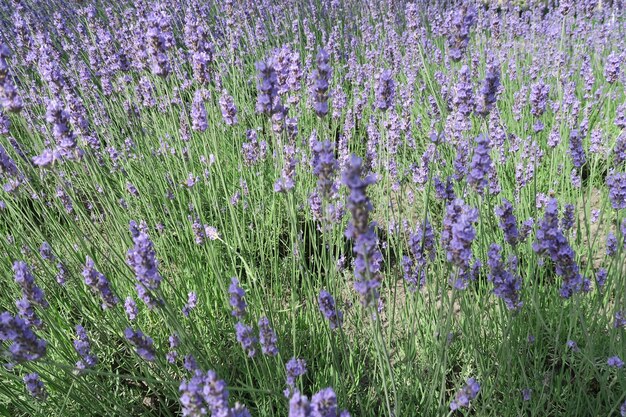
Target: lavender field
(322, 208)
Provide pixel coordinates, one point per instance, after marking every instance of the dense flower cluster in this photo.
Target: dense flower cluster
(24, 345)
(551, 241)
(506, 284)
(142, 259)
(82, 346)
(205, 393)
(385, 91)
(10, 100)
(490, 184)
(329, 310)
(365, 242)
(99, 284)
(321, 79)
(461, 24)
(457, 236)
(617, 190)
(465, 395)
(142, 343)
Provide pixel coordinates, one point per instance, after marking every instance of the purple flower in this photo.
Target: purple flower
(142, 259)
(615, 362)
(622, 409)
(329, 310)
(321, 78)
(61, 130)
(612, 68)
(572, 345)
(245, 336)
(489, 91)
(215, 394)
(198, 112)
(508, 222)
(130, 307)
(142, 343)
(457, 236)
(463, 100)
(445, 191)
(294, 368)
(252, 149)
(172, 354)
(24, 344)
(324, 403)
(267, 337)
(368, 256)
(83, 348)
(192, 301)
(206, 393)
(617, 190)
(463, 18)
(35, 387)
(237, 301)
(568, 217)
(268, 102)
(481, 164)
(385, 91)
(286, 182)
(299, 405)
(551, 241)
(527, 394)
(576, 149)
(26, 281)
(46, 251)
(611, 244)
(422, 249)
(465, 395)
(539, 97)
(192, 395)
(324, 167)
(507, 285)
(99, 284)
(601, 277)
(229, 111)
(158, 43)
(10, 99)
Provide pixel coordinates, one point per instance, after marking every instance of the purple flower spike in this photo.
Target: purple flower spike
(507, 285)
(294, 368)
(490, 89)
(267, 337)
(99, 284)
(142, 343)
(35, 386)
(142, 259)
(481, 164)
(328, 309)
(368, 256)
(321, 78)
(324, 403)
(245, 336)
(83, 348)
(551, 241)
(237, 301)
(24, 345)
(457, 236)
(385, 91)
(130, 307)
(465, 395)
(576, 149)
(10, 100)
(617, 190)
